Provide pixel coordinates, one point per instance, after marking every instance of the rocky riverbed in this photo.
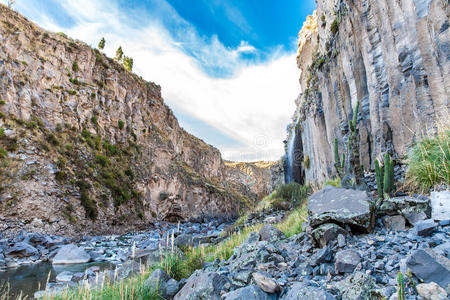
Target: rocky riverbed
(27, 259)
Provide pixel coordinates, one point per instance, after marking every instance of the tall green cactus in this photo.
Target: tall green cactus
(379, 178)
(353, 147)
(400, 287)
(388, 180)
(338, 163)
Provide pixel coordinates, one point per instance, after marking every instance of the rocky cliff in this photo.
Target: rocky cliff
(390, 56)
(86, 146)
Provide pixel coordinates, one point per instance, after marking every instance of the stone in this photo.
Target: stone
(431, 291)
(157, 279)
(65, 276)
(170, 288)
(71, 254)
(440, 205)
(266, 282)
(326, 233)
(251, 292)
(405, 205)
(429, 267)
(414, 217)
(22, 249)
(425, 227)
(202, 285)
(394, 223)
(342, 206)
(322, 256)
(300, 291)
(359, 286)
(346, 261)
(341, 240)
(270, 234)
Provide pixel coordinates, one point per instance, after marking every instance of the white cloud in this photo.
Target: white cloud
(252, 107)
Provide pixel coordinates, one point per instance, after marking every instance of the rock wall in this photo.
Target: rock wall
(391, 56)
(86, 146)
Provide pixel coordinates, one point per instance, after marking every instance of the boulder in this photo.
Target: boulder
(203, 285)
(300, 291)
(414, 217)
(346, 261)
(270, 234)
(190, 240)
(326, 233)
(440, 205)
(266, 282)
(170, 289)
(65, 276)
(394, 223)
(405, 205)
(431, 291)
(425, 227)
(22, 249)
(428, 266)
(251, 292)
(157, 280)
(342, 206)
(324, 255)
(71, 254)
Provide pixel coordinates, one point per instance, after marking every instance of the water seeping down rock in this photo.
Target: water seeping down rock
(91, 147)
(392, 57)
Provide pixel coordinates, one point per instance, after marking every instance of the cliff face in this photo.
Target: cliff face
(392, 57)
(86, 146)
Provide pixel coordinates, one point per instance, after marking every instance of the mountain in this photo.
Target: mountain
(88, 147)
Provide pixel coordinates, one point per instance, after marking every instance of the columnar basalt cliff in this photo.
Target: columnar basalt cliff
(87, 146)
(390, 56)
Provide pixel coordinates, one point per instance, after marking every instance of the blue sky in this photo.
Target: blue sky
(227, 68)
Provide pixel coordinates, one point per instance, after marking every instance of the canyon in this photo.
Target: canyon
(89, 147)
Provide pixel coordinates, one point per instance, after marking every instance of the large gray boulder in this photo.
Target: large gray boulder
(251, 292)
(342, 206)
(326, 233)
(428, 266)
(425, 227)
(300, 291)
(266, 282)
(71, 254)
(22, 249)
(405, 206)
(359, 286)
(203, 285)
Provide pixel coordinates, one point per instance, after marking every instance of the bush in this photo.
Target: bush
(2, 132)
(163, 196)
(88, 204)
(102, 160)
(3, 153)
(429, 162)
(51, 138)
(293, 192)
(334, 27)
(60, 176)
(72, 92)
(121, 124)
(75, 67)
(2, 102)
(94, 119)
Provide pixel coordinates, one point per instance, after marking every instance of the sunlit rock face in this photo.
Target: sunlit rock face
(392, 57)
(93, 148)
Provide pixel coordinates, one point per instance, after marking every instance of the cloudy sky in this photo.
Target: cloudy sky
(226, 67)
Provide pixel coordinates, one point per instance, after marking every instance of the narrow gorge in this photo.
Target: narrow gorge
(104, 195)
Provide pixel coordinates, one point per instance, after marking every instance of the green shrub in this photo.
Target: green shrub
(51, 138)
(334, 27)
(163, 196)
(306, 162)
(128, 63)
(336, 182)
(2, 132)
(121, 124)
(60, 176)
(2, 102)
(75, 67)
(62, 34)
(293, 192)
(94, 119)
(429, 162)
(102, 160)
(72, 92)
(3, 153)
(88, 204)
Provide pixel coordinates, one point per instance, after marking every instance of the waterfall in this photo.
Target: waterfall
(290, 154)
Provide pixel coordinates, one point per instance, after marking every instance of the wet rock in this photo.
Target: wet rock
(326, 233)
(430, 267)
(431, 291)
(270, 234)
(71, 254)
(65, 276)
(343, 206)
(425, 227)
(395, 223)
(266, 282)
(440, 205)
(22, 249)
(202, 285)
(300, 291)
(346, 261)
(251, 292)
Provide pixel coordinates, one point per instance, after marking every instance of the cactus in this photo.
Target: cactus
(388, 180)
(400, 287)
(353, 147)
(338, 164)
(379, 178)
